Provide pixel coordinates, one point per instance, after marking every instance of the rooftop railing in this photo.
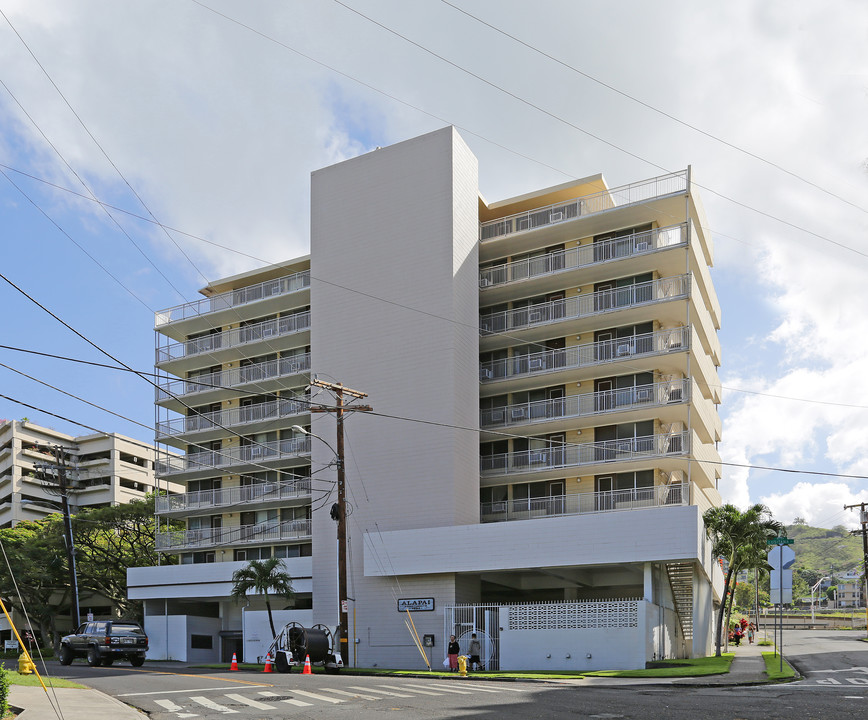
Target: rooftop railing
(278, 327)
(233, 298)
(240, 535)
(579, 306)
(228, 457)
(586, 205)
(563, 456)
(257, 372)
(581, 503)
(245, 415)
(578, 356)
(583, 256)
(572, 406)
(240, 494)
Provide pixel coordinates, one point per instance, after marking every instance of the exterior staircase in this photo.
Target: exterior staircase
(681, 581)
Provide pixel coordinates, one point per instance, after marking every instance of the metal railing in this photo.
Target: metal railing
(572, 406)
(561, 456)
(257, 372)
(278, 327)
(577, 356)
(227, 457)
(240, 494)
(245, 415)
(581, 503)
(234, 298)
(592, 204)
(209, 537)
(583, 256)
(579, 306)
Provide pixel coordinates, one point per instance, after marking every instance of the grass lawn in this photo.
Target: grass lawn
(32, 680)
(695, 667)
(773, 664)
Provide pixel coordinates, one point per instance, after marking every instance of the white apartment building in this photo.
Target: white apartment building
(543, 374)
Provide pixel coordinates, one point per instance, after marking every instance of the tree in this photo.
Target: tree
(260, 576)
(740, 538)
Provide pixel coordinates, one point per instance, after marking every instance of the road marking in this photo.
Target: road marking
(211, 705)
(297, 703)
(380, 692)
(247, 701)
(472, 686)
(206, 677)
(402, 687)
(177, 709)
(445, 689)
(318, 697)
(172, 692)
(355, 695)
(853, 697)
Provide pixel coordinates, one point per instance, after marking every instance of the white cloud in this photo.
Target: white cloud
(820, 504)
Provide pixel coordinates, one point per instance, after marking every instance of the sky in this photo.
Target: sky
(196, 125)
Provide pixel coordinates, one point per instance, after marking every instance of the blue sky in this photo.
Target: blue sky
(217, 128)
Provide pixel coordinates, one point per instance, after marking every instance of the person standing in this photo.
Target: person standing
(750, 633)
(452, 651)
(474, 651)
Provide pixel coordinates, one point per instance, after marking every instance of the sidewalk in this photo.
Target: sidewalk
(74, 704)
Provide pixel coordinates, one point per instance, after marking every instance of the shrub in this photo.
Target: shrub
(4, 692)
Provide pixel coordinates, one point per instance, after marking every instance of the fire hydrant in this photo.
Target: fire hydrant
(25, 664)
(462, 665)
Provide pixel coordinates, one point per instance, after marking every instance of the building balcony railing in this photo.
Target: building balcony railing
(565, 456)
(278, 327)
(258, 372)
(586, 205)
(231, 417)
(573, 406)
(227, 497)
(584, 256)
(577, 356)
(240, 535)
(228, 457)
(234, 298)
(579, 306)
(581, 503)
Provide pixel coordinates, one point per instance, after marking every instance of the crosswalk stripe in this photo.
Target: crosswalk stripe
(297, 703)
(402, 687)
(171, 707)
(355, 695)
(444, 689)
(318, 697)
(247, 701)
(211, 705)
(473, 686)
(380, 692)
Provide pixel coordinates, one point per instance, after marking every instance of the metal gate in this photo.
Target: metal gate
(464, 620)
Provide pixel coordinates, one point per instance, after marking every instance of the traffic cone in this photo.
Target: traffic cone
(268, 663)
(307, 670)
(234, 665)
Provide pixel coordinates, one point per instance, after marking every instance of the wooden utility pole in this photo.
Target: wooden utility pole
(339, 510)
(863, 518)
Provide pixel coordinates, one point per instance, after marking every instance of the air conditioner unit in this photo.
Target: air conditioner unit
(641, 246)
(675, 395)
(535, 364)
(536, 458)
(518, 414)
(496, 416)
(485, 326)
(534, 317)
(624, 349)
(557, 215)
(255, 451)
(275, 289)
(675, 342)
(293, 367)
(485, 374)
(624, 446)
(644, 394)
(484, 282)
(267, 331)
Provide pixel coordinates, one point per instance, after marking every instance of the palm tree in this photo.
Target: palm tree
(260, 576)
(740, 537)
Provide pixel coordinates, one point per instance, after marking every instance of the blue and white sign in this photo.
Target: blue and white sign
(415, 604)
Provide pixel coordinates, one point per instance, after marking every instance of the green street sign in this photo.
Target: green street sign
(780, 541)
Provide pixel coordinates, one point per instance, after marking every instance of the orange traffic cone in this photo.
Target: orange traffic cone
(268, 663)
(234, 665)
(307, 670)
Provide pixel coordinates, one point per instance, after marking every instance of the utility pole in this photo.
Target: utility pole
(339, 510)
(863, 518)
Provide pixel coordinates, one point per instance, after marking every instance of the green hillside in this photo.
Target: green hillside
(825, 551)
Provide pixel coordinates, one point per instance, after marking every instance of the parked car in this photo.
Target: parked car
(103, 641)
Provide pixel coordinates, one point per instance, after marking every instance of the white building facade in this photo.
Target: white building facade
(543, 443)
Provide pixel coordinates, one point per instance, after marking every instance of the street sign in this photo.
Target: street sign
(780, 541)
(782, 558)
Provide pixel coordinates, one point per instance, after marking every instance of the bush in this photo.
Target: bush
(4, 692)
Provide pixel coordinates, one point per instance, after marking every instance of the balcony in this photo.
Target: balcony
(259, 495)
(574, 406)
(214, 422)
(586, 206)
(594, 453)
(264, 374)
(584, 256)
(210, 345)
(259, 534)
(585, 306)
(582, 503)
(218, 304)
(204, 463)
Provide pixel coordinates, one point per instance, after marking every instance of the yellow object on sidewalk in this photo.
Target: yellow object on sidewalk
(25, 665)
(462, 665)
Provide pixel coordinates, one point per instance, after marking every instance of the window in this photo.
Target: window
(201, 642)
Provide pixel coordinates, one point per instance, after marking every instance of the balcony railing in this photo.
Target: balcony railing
(592, 502)
(272, 410)
(234, 298)
(586, 205)
(564, 456)
(579, 306)
(583, 256)
(577, 356)
(267, 370)
(226, 497)
(269, 329)
(573, 406)
(239, 535)
(228, 457)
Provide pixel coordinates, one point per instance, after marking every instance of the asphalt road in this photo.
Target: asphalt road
(835, 685)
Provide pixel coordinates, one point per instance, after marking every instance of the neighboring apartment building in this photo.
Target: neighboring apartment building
(560, 350)
(851, 586)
